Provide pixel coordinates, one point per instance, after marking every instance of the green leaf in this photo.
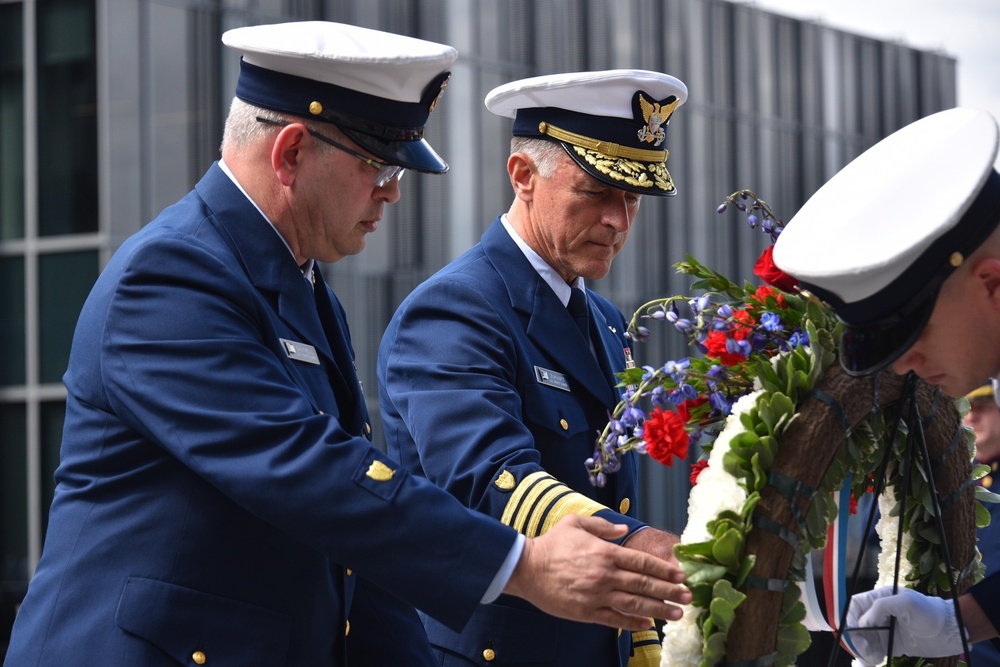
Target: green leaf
(631, 375)
(745, 568)
(982, 516)
(701, 594)
(796, 614)
(695, 550)
(793, 640)
(984, 495)
(723, 614)
(728, 548)
(703, 572)
(724, 590)
(928, 562)
(715, 649)
(736, 464)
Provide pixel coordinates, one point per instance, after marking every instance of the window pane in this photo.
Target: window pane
(13, 494)
(11, 123)
(53, 417)
(64, 281)
(12, 369)
(67, 118)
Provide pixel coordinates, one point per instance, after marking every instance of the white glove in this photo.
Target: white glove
(925, 625)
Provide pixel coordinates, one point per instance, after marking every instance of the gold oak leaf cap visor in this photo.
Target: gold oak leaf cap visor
(613, 123)
(377, 87)
(877, 241)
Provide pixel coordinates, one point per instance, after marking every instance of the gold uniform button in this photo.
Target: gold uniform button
(315, 108)
(347, 630)
(489, 655)
(348, 572)
(623, 507)
(198, 657)
(564, 424)
(368, 429)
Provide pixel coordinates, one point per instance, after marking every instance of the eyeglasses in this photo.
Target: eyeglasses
(385, 172)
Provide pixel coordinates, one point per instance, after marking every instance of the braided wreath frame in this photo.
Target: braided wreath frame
(809, 447)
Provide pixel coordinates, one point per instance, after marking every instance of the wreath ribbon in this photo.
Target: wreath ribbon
(826, 618)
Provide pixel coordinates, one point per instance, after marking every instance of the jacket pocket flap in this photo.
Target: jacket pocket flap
(182, 621)
(512, 636)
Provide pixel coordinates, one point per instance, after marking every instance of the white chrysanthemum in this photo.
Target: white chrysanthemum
(887, 529)
(682, 641)
(717, 490)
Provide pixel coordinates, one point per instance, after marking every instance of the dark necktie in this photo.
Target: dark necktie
(577, 307)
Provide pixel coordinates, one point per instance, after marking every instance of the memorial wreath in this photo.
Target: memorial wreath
(783, 433)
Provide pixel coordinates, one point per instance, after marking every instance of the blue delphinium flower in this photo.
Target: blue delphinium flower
(715, 374)
(719, 402)
(658, 396)
(798, 338)
(683, 392)
(677, 370)
(771, 322)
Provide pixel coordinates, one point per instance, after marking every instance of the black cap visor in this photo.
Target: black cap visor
(644, 178)
(870, 349)
(416, 155)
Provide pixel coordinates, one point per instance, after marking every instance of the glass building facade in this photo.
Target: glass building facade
(112, 109)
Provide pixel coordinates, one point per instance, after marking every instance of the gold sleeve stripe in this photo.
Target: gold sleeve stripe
(574, 503)
(540, 500)
(543, 506)
(524, 499)
(645, 649)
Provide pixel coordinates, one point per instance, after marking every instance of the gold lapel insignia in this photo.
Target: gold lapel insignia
(505, 481)
(380, 472)
(656, 116)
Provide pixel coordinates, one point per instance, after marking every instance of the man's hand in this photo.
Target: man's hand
(653, 542)
(925, 626)
(573, 572)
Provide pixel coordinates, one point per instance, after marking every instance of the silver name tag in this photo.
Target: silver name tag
(551, 378)
(300, 351)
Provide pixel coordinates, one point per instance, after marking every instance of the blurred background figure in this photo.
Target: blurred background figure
(984, 419)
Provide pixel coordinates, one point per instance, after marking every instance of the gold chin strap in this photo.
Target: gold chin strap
(607, 148)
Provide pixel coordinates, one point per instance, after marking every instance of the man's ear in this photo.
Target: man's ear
(286, 152)
(521, 170)
(988, 272)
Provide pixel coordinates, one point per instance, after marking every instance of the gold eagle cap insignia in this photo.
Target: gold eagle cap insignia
(656, 116)
(380, 472)
(437, 99)
(506, 481)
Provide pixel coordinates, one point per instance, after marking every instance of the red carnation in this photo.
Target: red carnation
(742, 325)
(715, 345)
(767, 271)
(765, 291)
(665, 436)
(696, 469)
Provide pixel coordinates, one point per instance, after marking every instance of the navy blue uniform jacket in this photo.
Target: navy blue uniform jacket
(217, 491)
(987, 593)
(489, 390)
